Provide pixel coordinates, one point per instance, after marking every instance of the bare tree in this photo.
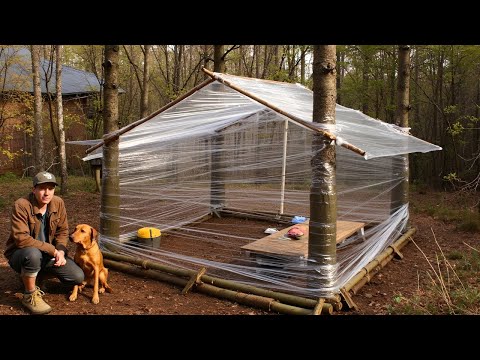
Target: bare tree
(38, 151)
(110, 209)
(400, 192)
(146, 79)
(61, 130)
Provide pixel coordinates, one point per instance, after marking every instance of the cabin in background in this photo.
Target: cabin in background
(80, 91)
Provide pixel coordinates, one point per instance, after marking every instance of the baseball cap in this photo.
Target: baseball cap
(44, 177)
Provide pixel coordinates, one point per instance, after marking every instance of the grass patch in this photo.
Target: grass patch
(8, 177)
(470, 222)
(81, 183)
(451, 286)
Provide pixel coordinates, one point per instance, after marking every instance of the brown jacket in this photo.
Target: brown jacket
(25, 226)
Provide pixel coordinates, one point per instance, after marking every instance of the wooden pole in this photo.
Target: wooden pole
(109, 137)
(284, 166)
(297, 120)
(217, 178)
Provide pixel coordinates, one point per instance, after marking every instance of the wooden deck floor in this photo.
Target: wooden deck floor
(279, 244)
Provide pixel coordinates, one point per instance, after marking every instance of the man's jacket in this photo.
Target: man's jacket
(26, 225)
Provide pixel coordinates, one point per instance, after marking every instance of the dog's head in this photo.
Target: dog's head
(84, 235)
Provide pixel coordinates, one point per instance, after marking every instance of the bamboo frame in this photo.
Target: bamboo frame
(241, 293)
(374, 266)
(295, 119)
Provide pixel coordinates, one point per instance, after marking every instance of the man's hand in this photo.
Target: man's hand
(59, 258)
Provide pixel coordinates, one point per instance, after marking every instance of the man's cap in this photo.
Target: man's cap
(44, 177)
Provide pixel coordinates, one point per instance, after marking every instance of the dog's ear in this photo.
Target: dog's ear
(94, 235)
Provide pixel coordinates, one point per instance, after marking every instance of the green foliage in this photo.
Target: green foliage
(468, 262)
(404, 306)
(455, 255)
(8, 177)
(81, 184)
(456, 129)
(471, 119)
(451, 109)
(452, 178)
(470, 223)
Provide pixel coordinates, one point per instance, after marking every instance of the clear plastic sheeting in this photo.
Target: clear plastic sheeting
(218, 168)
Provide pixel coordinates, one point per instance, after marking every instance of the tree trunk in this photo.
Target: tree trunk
(323, 195)
(38, 152)
(400, 192)
(61, 130)
(205, 61)
(302, 64)
(219, 61)
(365, 85)
(177, 64)
(390, 116)
(110, 207)
(256, 52)
(146, 79)
(340, 74)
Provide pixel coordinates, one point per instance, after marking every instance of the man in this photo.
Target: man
(38, 241)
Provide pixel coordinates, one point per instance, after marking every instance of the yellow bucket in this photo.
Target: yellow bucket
(149, 236)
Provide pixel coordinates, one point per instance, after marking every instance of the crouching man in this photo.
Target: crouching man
(38, 242)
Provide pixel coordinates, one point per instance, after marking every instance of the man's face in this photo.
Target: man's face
(44, 193)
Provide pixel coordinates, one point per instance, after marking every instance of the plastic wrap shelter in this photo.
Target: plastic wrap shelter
(224, 170)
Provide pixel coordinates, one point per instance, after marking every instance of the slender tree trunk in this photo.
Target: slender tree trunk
(61, 130)
(477, 131)
(38, 151)
(256, 52)
(266, 61)
(340, 74)
(365, 85)
(291, 52)
(219, 61)
(323, 195)
(415, 109)
(403, 86)
(146, 79)
(438, 127)
(400, 192)
(110, 207)
(178, 55)
(302, 64)
(391, 115)
(240, 60)
(205, 61)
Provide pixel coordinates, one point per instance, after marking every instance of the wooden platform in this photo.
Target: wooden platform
(279, 244)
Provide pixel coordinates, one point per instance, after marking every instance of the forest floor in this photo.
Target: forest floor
(402, 286)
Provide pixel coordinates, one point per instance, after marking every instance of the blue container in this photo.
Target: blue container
(298, 219)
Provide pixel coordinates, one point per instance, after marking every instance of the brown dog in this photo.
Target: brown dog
(89, 257)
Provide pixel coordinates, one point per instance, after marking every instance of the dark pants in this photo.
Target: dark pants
(30, 261)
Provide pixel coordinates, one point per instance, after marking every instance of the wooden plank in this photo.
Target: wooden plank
(279, 244)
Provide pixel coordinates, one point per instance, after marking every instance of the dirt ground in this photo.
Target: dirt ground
(140, 296)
